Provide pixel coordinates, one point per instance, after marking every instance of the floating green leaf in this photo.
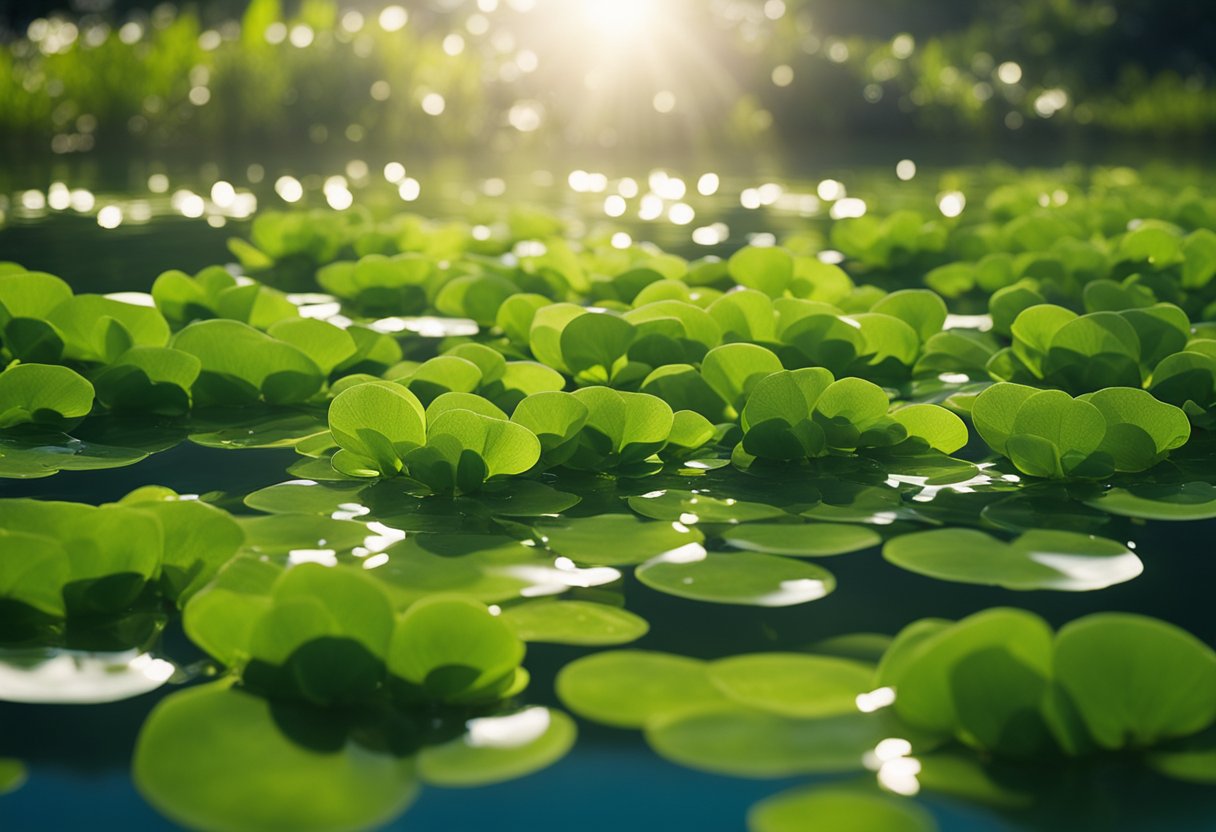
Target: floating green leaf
(935, 696)
(732, 370)
(1136, 681)
(615, 539)
(43, 394)
(198, 539)
(747, 578)
(777, 421)
(793, 684)
(376, 425)
(111, 552)
(768, 269)
(935, 426)
(730, 739)
(494, 749)
(217, 757)
(593, 345)
(1160, 501)
(222, 616)
(801, 539)
(464, 449)
(691, 507)
(621, 429)
(574, 622)
(241, 365)
(100, 329)
(1057, 560)
(840, 810)
(327, 345)
(452, 650)
(1140, 430)
(556, 419)
(632, 688)
(149, 379)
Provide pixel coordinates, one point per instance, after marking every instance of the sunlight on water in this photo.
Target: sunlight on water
(508, 731)
(79, 677)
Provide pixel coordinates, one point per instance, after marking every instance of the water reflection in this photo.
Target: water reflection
(76, 677)
(693, 210)
(508, 731)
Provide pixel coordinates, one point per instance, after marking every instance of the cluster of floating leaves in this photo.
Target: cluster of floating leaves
(914, 710)
(491, 433)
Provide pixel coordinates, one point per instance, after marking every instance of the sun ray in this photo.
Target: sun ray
(620, 64)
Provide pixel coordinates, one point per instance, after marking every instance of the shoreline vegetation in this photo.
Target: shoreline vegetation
(326, 75)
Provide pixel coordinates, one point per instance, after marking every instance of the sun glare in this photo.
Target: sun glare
(614, 61)
(615, 19)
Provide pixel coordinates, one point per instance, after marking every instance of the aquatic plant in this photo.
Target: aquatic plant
(383, 429)
(1047, 433)
(489, 445)
(999, 682)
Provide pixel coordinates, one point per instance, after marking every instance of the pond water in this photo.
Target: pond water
(79, 757)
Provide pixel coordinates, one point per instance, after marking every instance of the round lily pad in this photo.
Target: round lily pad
(214, 757)
(690, 507)
(801, 540)
(498, 748)
(739, 741)
(629, 688)
(574, 622)
(303, 533)
(308, 497)
(1173, 501)
(525, 498)
(615, 539)
(746, 578)
(45, 394)
(1037, 560)
(490, 568)
(847, 502)
(840, 810)
(30, 457)
(793, 684)
(274, 429)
